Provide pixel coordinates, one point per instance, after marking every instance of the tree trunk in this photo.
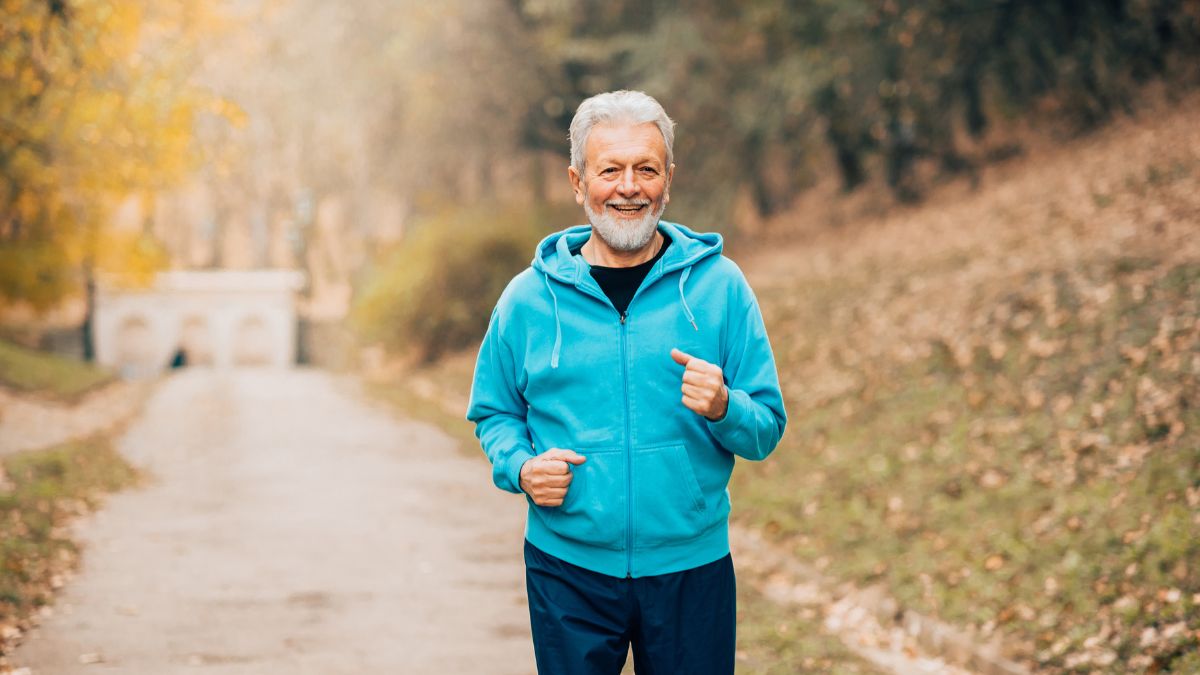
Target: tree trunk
(89, 312)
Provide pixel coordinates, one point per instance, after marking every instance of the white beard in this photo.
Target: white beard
(625, 235)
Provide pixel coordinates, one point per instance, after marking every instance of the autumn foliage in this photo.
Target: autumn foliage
(94, 106)
(995, 400)
(40, 493)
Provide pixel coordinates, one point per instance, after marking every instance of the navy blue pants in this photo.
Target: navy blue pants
(584, 622)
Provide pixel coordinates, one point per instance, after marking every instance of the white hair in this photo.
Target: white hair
(614, 107)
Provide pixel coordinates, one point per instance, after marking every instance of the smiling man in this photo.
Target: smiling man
(619, 377)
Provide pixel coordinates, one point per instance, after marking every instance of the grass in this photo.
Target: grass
(1043, 483)
(995, 406)
(40, 492)
(30, 371)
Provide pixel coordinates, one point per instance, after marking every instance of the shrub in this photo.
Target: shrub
(435, 293)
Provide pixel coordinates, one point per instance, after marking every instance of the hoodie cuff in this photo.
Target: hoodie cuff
(730, 430)
(512, 468)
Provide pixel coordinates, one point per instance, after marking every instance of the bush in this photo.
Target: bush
(436, 292)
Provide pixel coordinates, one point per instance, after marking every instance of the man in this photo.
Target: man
(619, 377)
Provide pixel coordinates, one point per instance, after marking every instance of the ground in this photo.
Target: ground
(288, 526)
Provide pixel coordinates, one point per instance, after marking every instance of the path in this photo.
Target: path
(289, 527)
(29, 422)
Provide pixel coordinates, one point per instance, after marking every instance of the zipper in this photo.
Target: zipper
(624, 328)
(628, 448)
(624, 318)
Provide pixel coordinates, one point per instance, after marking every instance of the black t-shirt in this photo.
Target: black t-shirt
(620, 283)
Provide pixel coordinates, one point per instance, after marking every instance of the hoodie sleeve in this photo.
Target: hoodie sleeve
(755, 418)
(499, 411)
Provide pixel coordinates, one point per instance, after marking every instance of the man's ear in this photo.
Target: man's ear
(667, 189)
(576, 184)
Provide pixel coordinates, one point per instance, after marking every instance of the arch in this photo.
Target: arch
(252, 342)
(135, 347)
(222, 317)
(196, 340)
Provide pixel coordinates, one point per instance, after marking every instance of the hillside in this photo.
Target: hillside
(993, 404)
(994, 401)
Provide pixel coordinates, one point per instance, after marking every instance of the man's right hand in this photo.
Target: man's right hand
(545, 478)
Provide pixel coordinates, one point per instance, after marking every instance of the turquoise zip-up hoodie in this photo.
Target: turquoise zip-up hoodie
(560, 368)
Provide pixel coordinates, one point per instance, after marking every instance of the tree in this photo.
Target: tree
(758, 85)
(94, 106)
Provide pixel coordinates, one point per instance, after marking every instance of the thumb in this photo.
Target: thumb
(681, 357)
(562, 455)
(572, 457)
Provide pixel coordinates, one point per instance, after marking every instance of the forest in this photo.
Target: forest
(280, 106)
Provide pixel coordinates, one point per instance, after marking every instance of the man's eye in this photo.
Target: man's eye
(649, 171)
(607, 171)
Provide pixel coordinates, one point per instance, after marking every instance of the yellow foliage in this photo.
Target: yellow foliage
(130, 259)
(230, 111)
(96, 104)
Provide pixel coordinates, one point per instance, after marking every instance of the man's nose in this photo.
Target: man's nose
(628, 186)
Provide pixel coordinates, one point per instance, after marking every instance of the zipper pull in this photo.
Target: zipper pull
(623, 315)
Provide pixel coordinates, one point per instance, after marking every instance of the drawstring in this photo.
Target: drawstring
(554, 353)
(557, 324)
(687, 311)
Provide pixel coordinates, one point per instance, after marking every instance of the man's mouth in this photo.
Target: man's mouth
(628, 208)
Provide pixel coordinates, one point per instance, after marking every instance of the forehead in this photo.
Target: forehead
(625, 143)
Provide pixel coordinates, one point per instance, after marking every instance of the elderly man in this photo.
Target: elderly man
(619, 377)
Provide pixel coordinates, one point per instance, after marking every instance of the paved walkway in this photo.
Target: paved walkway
(289, 527)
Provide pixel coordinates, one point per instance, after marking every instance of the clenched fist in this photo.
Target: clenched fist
(545, 478)
(704, 391)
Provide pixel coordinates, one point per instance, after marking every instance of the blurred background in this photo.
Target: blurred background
(971, 224)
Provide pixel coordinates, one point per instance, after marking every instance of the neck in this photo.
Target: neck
(598, 253)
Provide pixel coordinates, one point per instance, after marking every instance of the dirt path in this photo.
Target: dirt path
(31, 422)
(289, 527)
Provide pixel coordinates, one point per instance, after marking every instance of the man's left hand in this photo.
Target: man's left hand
(704, 391)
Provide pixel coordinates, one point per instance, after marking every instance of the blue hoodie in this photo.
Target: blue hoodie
(560, 368)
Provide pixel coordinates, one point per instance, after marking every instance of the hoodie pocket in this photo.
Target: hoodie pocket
(593, 511)
(668, 504)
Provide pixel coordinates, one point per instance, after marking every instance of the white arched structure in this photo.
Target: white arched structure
(220, 317)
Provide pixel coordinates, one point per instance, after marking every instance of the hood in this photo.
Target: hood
(553, 260)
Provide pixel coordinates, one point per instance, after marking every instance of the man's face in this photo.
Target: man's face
(626, 183)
